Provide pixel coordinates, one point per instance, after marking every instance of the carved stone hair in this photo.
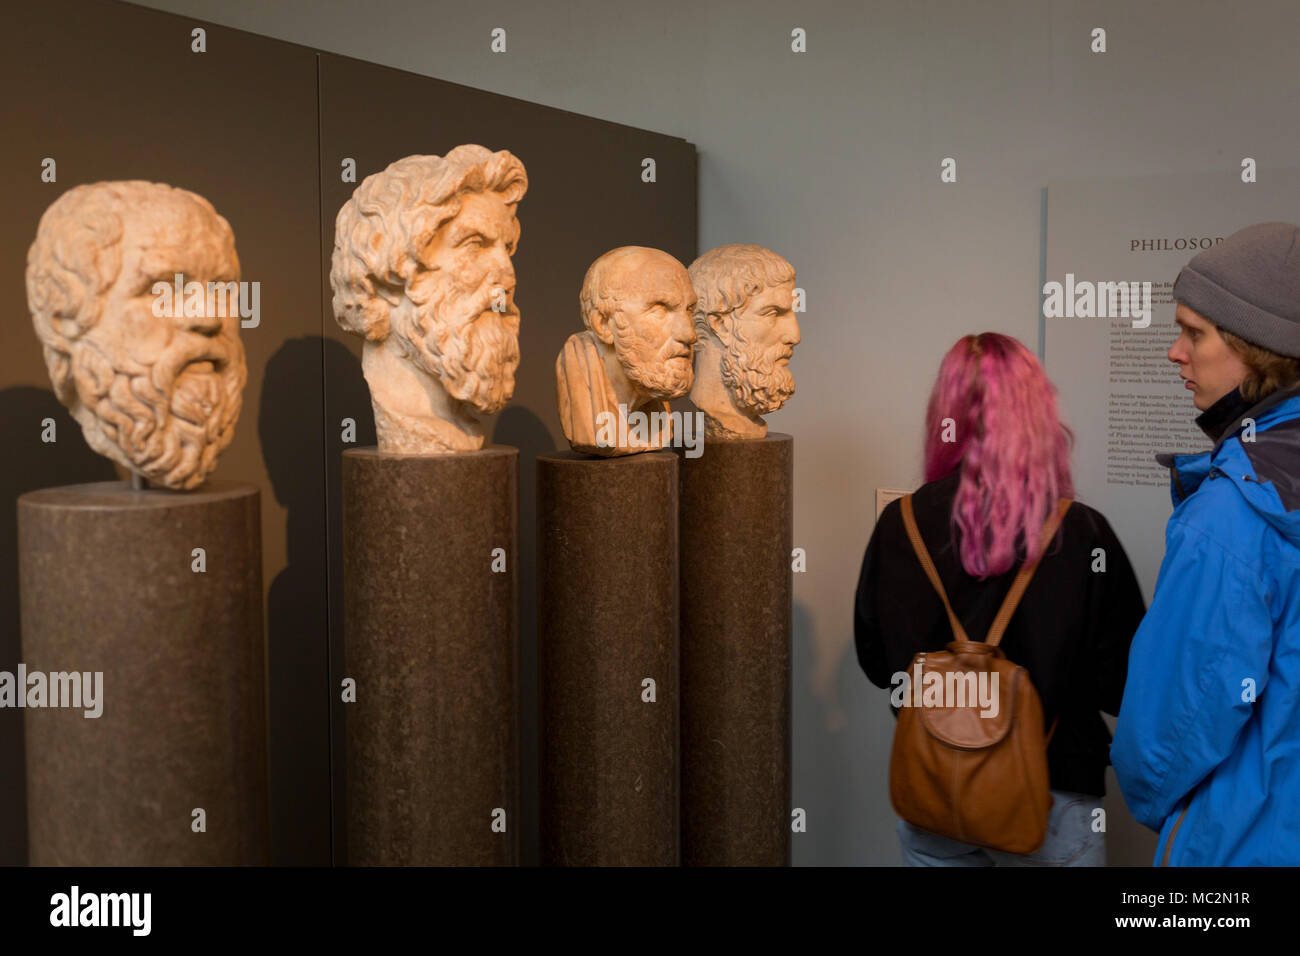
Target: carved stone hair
(76, 258)
(393, 215)
(726, 277)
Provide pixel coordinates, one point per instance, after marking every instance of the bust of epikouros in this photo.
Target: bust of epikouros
(747, 332)
(155, 383)
(422, 271)
(634, 354)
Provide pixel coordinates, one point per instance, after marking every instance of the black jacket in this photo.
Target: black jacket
(1071, 631)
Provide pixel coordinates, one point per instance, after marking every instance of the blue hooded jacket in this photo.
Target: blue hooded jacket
(1207, 747)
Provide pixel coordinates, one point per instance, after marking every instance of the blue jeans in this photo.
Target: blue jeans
(1070, 841)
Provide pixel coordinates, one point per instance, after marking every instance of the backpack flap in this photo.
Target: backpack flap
(983, 704)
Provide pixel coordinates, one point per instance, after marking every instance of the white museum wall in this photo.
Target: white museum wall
(832, 158)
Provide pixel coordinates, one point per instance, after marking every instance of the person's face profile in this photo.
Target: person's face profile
(1208, 366)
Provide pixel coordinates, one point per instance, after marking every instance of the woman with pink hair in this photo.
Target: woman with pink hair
(997, 465)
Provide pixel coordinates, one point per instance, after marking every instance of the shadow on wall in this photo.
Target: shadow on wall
(822, 769)
(347, 397)
(289, 427)
(31, 464)
(521, 428)
(843, 736)
(1128, 843)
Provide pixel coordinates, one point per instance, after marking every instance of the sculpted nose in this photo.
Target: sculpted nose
(684, 330)
(792, 336)
(209, 323)
(503, 269)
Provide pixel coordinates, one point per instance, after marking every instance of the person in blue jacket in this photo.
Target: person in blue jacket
(1207, 747)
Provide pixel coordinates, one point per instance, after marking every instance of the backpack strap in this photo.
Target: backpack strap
(1017, 587)
(918, 545)
(1022, 579)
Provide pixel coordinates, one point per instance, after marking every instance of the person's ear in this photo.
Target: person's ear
(392, 294)
(601, 326)
(718, 325)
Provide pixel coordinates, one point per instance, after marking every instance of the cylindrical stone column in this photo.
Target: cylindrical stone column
(607, 647)
(737, 521)
(160, 592)
(430, 629)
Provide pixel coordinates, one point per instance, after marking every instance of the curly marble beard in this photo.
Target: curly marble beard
(665, 379)
(169, 421)
(755, 379)
(474, 350)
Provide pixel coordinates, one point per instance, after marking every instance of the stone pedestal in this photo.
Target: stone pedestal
(112, 582)
(431, 632)
(607, 571)
(737, 521)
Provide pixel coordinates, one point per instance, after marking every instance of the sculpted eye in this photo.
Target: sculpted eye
(470, 242)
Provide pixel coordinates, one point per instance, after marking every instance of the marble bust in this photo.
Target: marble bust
(155, 385)
(422, 271)
(747, 332)
(634, 354)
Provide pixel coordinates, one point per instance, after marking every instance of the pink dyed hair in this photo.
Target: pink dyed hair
(1012, 449)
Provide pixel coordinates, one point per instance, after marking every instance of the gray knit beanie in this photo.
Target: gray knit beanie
(1249, 284)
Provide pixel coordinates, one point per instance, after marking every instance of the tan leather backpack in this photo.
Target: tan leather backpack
(956, 771)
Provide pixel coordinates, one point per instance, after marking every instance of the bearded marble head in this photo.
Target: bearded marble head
(638, 302)
(155, 385)
(422, 271)
(747, 333)
(633, 356)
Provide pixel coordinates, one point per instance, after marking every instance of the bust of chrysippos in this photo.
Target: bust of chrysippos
(747, 332)
(155, 385)
(422, 271)
(634, 355)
